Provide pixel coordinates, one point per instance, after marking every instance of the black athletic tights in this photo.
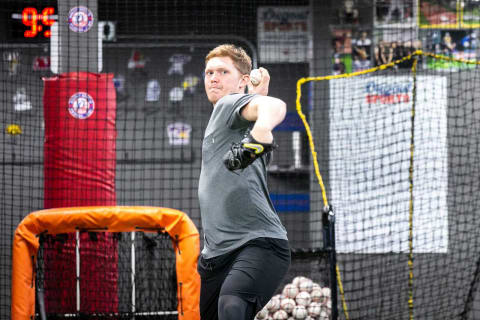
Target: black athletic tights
(235, 286)
(235, 308)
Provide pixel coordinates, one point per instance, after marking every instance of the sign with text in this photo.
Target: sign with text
(370, 157)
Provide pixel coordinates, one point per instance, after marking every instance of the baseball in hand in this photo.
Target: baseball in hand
(255, 77)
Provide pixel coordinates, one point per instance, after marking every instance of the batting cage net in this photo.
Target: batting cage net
(144, 282)
(400, 162)
(375, 178)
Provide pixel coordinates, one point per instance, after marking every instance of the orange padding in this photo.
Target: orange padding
(115, 219)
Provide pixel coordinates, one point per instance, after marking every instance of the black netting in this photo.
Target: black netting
(140, 142)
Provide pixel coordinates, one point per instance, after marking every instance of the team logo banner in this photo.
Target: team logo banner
(177, 61)
(41, 63)
(21, 101)
(153, 91)
(137, 60)
(81, 105)
(80, 19)
(179, 133)
(13, 61)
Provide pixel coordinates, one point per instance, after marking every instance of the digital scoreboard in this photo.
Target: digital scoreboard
(27, 23)
(37, 24)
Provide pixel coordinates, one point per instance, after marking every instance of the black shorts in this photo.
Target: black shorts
(252, 272)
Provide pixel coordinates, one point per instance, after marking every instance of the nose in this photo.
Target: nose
(214, 77)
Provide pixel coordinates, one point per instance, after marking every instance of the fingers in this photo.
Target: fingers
(265, 74)
(262, 87)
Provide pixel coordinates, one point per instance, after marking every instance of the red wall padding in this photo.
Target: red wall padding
(80, 154)
(79, 170)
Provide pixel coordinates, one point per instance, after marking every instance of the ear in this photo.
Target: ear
(244, 81)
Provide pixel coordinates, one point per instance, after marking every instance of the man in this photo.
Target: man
(246, 252)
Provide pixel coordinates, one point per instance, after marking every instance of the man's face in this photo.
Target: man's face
(222, 78)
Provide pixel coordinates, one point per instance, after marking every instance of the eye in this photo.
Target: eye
(224, 72)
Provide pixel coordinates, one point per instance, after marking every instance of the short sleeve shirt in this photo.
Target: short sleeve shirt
(235, 205)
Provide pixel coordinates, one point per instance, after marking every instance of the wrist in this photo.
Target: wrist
(262, 135)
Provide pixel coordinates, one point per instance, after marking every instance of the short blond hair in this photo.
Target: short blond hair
(241, 60)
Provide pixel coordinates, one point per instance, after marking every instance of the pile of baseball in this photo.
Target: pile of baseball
(300, 299)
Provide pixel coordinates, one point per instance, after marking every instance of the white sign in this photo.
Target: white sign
(20, 100)
(370, 134)
(284, 34)
(108, 30)
(153, 91)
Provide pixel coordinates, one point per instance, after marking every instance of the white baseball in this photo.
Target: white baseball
(290, 291)
(255, 77)
(278, 296)
(287, 304)
(314, 309)
(280, 315)
(305, 285)
(273, 305)
(316, 286)
(303, 298)
(262, 314)
(296, 281)
(316, 295)
(299, 312)
(327, 304)
(326, 292)
(324, 315)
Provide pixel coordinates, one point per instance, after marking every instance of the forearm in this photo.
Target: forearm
(266, 111)
(270, 113)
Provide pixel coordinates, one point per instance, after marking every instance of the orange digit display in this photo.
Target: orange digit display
(36, 22)
(29, 18)
(47, 21)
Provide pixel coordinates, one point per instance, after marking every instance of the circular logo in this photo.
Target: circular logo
(80, 19)
(81, 105)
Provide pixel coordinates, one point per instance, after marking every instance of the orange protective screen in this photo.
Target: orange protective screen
(112, 219)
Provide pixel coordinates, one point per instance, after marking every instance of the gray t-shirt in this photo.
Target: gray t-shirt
(235, 205)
